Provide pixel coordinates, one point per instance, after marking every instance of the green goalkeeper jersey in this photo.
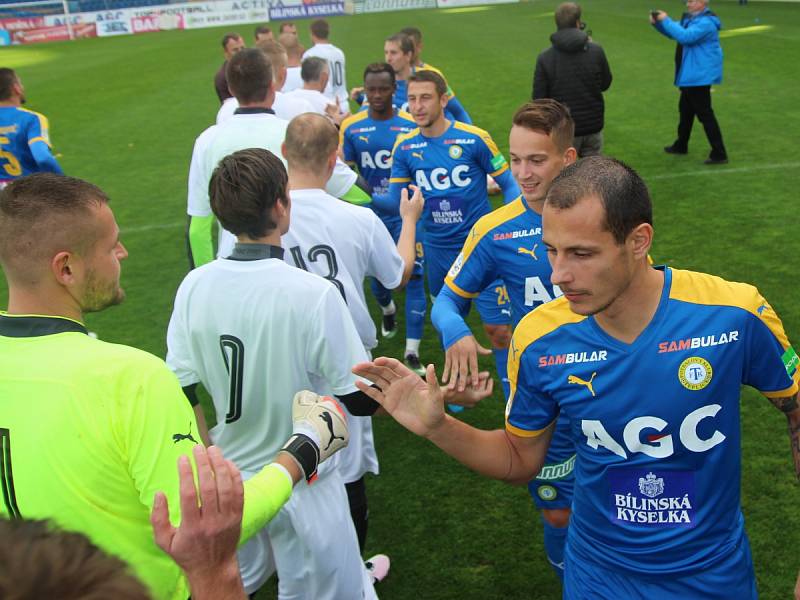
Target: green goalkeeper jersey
(89, 431)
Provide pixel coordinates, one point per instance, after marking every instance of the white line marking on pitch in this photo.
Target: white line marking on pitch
(716, 170)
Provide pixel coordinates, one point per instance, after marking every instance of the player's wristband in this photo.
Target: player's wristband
(305, 453)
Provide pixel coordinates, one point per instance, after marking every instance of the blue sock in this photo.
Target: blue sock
(416, 303)
(382, 295)
(501, 363)
(555, 538)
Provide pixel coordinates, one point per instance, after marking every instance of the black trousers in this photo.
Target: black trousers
(696, 101)
(359, 511)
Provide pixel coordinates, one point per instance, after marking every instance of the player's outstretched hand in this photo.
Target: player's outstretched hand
(416, 404)
(473, 394)
(204, 544)
(411, 207)
(461, 364)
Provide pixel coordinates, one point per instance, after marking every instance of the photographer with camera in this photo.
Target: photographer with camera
(574, 71)
(698, 66)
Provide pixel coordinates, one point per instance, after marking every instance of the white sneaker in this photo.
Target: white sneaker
(378, 567)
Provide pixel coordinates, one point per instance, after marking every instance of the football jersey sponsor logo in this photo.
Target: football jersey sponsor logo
(548, 360)
(695, 373)
(364, 129)
(8, 129)
(403, 129)
(442, 179)
(455, 152)
(557, 471)
(382, 159)
(462, 141)
(574, 379)
(656, 444)
(455, 268)
(519, 233)
(498, 161)
(791, 361)
(414, 146)
(531, 252)
(652, 499)
(693, 343)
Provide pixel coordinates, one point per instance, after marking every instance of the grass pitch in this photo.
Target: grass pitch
(125, 112)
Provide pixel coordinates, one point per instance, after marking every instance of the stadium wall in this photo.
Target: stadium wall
(196, 15)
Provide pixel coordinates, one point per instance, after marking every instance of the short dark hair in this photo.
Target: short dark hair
(285, 25)
(228, 37)
(320, 29)
(312, 67)
(414, 33)
(8, 77)
(620, 189)
(405, 42)
(243, 189)
(548, 116)
(426, 75)
(310, 140)
(249, 75)
(45, 213)
(567, 15)
(378, 68)
(37, 561)
(262, 29)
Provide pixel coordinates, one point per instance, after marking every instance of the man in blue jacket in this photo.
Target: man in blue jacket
(698, 66)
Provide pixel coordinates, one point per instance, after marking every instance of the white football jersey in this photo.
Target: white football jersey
(293, 80)
(343, 243)
(252, 130)
(316, 99)
(337, 82)
(254, 333)
(285, 107)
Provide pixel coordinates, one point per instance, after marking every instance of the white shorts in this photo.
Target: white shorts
(359, 456)
(314, 546)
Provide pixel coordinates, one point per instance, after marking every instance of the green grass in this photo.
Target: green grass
(125, 112)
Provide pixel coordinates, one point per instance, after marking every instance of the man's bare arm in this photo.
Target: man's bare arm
(419, 407)
(789, 406)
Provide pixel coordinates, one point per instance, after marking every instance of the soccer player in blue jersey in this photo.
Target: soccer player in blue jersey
(24, 135)
(647, 363)
(507, 244)
(449, 161)
(366, 140)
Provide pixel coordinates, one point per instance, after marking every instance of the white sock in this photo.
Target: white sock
(412, 346)
(390, 309)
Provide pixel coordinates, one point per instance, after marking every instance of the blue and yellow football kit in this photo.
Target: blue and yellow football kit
(656, 425)
(451, 171)
(507, 243)
(368, 143)
(24, 144)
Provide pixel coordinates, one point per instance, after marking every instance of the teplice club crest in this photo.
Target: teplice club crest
(651, 486)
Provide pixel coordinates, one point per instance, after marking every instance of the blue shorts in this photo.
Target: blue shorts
(731, 578)
(492, 303)
(395, 226)
(554, 486)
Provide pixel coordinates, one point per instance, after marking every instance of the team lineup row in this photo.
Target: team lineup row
(642, 468)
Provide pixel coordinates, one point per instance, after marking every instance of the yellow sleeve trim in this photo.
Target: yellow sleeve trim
(502, 169)
(489, 222)
(407, 116)
(399, 179)
(352, 119)
(402, 138)
(542, 320)
(525, 433)
(701, 288)
(41, 138)
(453, 287)
(790, 391)
(481, 133)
